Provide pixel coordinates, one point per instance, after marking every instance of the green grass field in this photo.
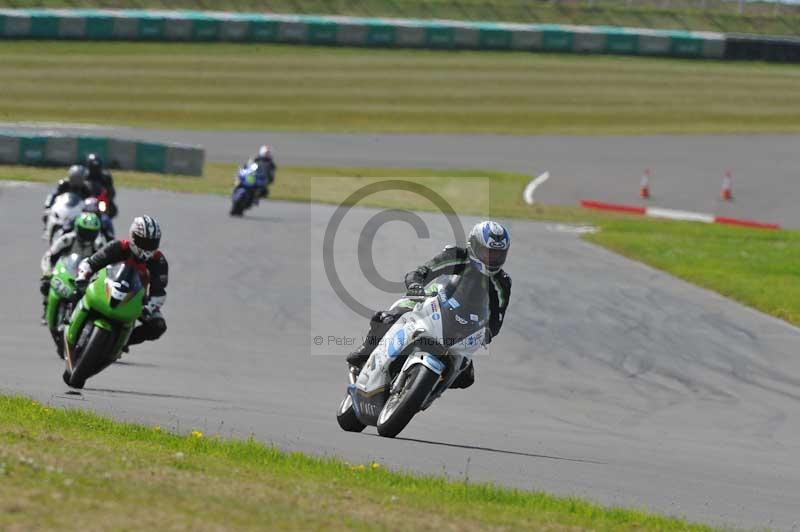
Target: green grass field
(269, 87)
(71, 470)
(760, 17)
(758, 268)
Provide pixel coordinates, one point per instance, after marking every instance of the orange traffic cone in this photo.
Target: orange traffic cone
(727, 187)
(644, 186)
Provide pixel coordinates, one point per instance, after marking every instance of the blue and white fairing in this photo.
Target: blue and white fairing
(251, 175)
(440, 333)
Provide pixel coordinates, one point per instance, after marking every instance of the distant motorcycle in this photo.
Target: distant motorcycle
(102, 322)
(250, 181)
(98, 207)
(61, 214)
(419, 358)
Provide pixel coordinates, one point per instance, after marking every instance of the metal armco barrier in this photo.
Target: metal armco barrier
(58, 150)
(761, 47)
(136, 25)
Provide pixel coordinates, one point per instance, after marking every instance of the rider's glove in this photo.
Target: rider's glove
(84, 272)
(415, 290)
(44, 287)
(153, 306)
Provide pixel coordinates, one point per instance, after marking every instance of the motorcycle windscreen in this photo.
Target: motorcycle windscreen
(70, 200)
(122, 282)
(71, 264)
(117, 293)
(465, 306)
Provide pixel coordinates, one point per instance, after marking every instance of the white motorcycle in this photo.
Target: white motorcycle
(419, 357)
(65, 209)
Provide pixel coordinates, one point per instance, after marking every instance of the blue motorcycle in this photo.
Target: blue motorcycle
(250, 185)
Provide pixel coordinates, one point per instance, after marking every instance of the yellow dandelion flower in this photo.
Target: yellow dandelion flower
(197, 434)
(375, 465)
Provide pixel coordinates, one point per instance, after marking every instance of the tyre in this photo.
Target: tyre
(346, 416)
(95, 356)
(236, 210)
(240, 202)
(403, 404)
(58, 330)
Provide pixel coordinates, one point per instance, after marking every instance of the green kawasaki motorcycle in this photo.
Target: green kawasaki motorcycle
(61, 297)
(102, 322)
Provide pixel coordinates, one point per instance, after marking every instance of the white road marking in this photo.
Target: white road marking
(574, 229)
(527, 194)
(672, 214)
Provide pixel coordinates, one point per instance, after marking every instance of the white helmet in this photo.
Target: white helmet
(145, 237)
(488, 247)
(264, 153)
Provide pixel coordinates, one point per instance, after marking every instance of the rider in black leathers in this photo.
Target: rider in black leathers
(141, 252)
(99, 179)
(266, 165)
(481, 254)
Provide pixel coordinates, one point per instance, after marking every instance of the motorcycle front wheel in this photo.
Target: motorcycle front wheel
(404, 403)
(94, 357)
(240, 201)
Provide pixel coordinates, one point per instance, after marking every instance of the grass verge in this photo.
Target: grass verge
(230, 86)
(59, 466)
(758, 268)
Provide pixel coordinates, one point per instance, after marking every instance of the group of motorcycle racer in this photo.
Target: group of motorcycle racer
(141, 249)
(484, 255)
(90, 235)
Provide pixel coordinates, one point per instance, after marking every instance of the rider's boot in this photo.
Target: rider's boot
(380, 323)
(359, 357)
(466, 378)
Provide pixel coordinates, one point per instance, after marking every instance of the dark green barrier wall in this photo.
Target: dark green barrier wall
(58, 150)
(86, 24)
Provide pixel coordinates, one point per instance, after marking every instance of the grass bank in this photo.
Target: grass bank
(715, 15)
(240, 87)
(758, 268)
(67, 469)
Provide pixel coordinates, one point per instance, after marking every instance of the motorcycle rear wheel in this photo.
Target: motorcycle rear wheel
(346, 416)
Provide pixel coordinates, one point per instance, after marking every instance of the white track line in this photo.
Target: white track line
(527, 194)
(673, 214)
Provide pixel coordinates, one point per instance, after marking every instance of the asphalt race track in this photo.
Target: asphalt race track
(687, 169)
(610, 380)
